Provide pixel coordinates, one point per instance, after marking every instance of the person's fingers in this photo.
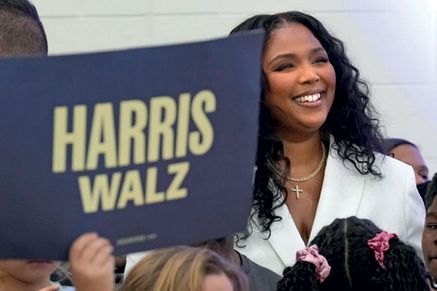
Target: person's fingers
(104, 254)
(93, 248)
(54, 287)
(78, 247)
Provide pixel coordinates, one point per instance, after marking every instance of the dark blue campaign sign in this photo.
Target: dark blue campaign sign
(148, 147)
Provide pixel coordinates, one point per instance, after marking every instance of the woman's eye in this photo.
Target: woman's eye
(321, 60)
(432, 226)
(284, 67)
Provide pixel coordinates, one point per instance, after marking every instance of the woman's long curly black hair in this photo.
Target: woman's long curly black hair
(351, 120)
(353, 263)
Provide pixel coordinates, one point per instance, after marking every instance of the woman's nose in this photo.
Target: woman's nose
(308, 75)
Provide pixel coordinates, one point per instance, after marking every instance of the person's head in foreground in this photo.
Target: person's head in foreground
(184, 269)
(21, 30)
(91, 264)
(26, 274)
(354, 254)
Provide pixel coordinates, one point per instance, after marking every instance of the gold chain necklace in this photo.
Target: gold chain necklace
(296, 188)
(313, 173)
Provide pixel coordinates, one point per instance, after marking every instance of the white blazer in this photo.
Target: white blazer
(392, 203)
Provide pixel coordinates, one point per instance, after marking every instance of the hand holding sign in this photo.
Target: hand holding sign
(92, 263)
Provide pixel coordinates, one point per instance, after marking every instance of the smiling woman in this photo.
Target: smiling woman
(318, 146)
(301, 83)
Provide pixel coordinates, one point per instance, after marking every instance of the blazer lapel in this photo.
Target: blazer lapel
(341, 194)
(285, 238)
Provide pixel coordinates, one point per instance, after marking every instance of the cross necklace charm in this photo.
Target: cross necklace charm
(297, 190)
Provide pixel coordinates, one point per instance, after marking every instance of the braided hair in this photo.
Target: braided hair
(353, 265)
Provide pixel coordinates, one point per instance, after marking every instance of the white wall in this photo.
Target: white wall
(392, 42)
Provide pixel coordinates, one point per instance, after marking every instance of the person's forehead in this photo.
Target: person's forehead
(291, 34)
(432, 210)
(407, 153)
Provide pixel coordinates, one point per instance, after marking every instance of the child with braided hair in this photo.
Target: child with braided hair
(354, 254)
(429, 237)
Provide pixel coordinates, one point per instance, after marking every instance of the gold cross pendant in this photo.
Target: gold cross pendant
(297, 190)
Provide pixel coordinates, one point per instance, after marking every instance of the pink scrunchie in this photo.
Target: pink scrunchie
(379, 244)
(311, 255)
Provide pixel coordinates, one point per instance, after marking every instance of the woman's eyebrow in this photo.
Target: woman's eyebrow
(292, 55)
(283, 56)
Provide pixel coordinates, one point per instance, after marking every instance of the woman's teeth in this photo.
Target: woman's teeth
(308, 98)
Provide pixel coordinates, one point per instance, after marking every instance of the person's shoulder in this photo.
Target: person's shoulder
(389, 165)
(260, 278)
(394, 173)
(252, 268)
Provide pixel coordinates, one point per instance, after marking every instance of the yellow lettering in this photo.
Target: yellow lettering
(101, 191)
(201, 141)
(131, 190)
(183, 125)
(180, 170)
(62, 138)
(131, 132)
(151, 195)
(102, 137)
(162, 118)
